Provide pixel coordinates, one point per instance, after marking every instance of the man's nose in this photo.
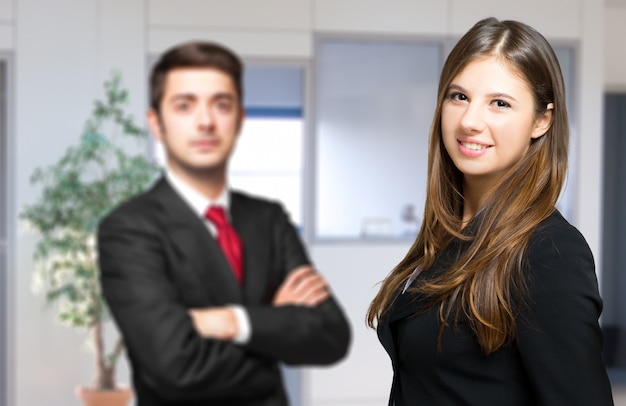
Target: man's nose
(205, 118)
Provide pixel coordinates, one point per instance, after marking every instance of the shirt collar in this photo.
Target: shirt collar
(195, 200)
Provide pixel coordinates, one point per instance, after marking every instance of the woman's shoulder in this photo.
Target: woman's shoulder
(556, 232)
(558, 252)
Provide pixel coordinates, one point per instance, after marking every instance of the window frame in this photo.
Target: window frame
(7, 228)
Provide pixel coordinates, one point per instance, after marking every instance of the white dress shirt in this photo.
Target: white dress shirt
(199, 204)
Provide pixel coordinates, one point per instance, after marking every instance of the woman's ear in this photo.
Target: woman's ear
(543, 122)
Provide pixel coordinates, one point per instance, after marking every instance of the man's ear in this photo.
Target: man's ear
(242, 117)
(543, 122)
(154, 122)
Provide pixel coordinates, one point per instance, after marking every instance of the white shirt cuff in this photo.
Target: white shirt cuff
(243, 324)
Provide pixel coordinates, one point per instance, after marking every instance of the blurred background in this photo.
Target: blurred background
(340, 94)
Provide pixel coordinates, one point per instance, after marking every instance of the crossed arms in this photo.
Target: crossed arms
(303, 287)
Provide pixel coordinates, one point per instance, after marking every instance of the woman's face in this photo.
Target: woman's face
(488, 120)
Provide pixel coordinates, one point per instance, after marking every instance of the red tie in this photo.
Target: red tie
(228, 240)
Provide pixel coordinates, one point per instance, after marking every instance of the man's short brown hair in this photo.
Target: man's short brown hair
(197, 54)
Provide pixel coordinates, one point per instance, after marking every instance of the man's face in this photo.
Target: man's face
(199, 120)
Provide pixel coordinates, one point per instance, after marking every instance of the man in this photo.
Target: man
(209, 306)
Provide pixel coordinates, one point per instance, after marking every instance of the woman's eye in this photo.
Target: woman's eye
(501, 104)
(457, 96)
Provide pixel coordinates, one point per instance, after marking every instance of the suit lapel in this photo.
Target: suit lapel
(245, 219)
(196, 247)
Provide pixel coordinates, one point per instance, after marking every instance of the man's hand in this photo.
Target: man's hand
(215, 322)
(303, 287)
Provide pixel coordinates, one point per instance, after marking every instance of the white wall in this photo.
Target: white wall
(6, 24)
(614, 47)
(6, 11)
(406, 17)
(354, 271)
(266, 29)
(54, 87)
(63, 49)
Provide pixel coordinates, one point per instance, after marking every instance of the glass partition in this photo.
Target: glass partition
(268, 159)
(374, 106)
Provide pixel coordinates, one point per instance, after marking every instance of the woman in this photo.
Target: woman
(496, 302)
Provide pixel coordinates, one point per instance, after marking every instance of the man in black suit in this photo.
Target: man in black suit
(202, 326)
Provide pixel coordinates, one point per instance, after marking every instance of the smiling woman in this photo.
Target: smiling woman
(497, 300)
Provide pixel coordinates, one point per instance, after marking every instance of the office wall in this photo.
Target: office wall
(6, 24)
(614, 48)
(265, 29)
(54, 63)
(63, 50)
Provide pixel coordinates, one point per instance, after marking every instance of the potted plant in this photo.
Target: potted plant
(87, 182)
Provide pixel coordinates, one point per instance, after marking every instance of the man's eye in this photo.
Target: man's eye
(182, 106)
(224, 106)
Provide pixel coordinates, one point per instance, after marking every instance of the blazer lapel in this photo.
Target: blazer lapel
(196, 247)
(397, 310)
(386, 338)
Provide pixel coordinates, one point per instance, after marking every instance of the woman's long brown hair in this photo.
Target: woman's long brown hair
(486, 283)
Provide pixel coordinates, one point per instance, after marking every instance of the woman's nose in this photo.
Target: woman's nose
(473, 119)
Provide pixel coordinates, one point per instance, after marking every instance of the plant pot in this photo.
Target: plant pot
(93, 397)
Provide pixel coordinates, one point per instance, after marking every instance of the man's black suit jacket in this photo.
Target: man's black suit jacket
(157, 260)
(555, 359)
